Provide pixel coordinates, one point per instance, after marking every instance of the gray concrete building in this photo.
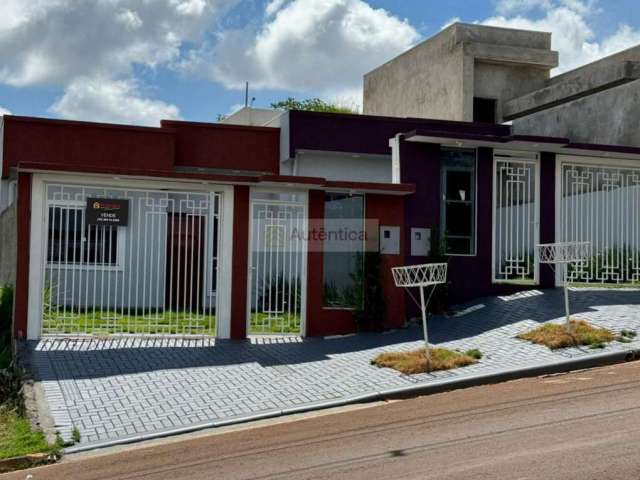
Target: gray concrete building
(465, 72)
(489, 74)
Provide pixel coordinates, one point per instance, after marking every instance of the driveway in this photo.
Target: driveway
(122, 389)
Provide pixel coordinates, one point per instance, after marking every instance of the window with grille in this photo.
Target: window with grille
(71, 242)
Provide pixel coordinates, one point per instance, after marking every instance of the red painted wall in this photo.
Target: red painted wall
(389, 210)
(239, 262)
(78, 144)
(21, 291)
(207, 145)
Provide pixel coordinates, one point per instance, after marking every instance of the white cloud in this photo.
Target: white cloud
(323, 47)
(569, 22)
(4, 111)
(273, 7)
(506, 7)
(66, 42)
(105, 100)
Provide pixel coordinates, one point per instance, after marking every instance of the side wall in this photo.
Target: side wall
(21, 293)
(8, 238)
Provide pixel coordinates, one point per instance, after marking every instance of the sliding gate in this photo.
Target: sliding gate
(600, 204)
(129, 261)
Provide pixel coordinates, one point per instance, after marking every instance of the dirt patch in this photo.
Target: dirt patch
(415, 361)
(577, 333)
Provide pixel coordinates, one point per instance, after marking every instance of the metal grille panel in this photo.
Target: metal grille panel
(277, 268)
(600, 204)
(515, 229)
(157, 275)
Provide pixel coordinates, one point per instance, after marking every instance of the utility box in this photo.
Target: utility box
(389, 240)
(420, 242)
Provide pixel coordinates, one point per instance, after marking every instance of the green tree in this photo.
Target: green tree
(313, 105)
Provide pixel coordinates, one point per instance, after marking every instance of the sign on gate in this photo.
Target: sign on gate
(107, 211)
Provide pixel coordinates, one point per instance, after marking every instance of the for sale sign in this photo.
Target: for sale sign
(107, 211)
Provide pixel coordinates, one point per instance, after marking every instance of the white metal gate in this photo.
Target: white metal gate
(516, 203)
(601, 204)
(277, 266)
(155, 275)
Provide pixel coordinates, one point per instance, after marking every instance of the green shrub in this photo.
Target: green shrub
(474, 353)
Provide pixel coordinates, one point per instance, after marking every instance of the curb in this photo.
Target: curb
(437, 386)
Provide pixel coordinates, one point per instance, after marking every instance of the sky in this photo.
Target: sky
(138, 61)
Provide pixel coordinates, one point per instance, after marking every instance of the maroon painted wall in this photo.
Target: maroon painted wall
(82, 146)
(469, 276)
(240, 262)
(389, 211)
(78, 144)
(21, 290)
(207, 145)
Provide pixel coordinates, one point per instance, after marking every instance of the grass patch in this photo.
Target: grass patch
(110, 322)
(578, 333)
(416, 361)
(18, 438)
(284, 323)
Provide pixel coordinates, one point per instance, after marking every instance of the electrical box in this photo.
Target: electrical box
(389, 240)
(420, 242)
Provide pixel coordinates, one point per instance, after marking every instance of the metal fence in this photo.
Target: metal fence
(600, 204)
(155, 273)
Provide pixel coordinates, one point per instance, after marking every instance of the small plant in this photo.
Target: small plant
(597, 345)
(628, 333)
(474, 353)
(75, 435)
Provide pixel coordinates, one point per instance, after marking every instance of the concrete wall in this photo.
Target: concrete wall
(424, 82)
(608, 117)
(8, 229)
(439, 77)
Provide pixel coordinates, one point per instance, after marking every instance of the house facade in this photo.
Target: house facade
(272, 222)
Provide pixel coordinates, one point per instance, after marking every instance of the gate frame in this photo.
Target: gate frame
(305, 253)
(586, 160)
(519, 157)
(38, 237)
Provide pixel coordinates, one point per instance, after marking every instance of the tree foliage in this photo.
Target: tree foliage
(313, 105)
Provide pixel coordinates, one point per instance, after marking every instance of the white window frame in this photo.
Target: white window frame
(120, 245)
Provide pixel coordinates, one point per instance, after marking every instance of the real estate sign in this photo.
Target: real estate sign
(107, 211)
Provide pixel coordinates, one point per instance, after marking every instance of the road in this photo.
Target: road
(581, 425)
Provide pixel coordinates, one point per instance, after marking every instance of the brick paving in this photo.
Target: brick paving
(119, 388)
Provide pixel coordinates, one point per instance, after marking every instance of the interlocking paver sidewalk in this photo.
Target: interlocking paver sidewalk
(121, 388)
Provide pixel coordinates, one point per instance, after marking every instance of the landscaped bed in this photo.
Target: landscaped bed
(415, 361)
(577, 333)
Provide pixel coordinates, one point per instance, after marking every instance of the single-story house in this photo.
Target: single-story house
(230, 230)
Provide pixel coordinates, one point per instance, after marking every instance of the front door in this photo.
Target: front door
(277, 266)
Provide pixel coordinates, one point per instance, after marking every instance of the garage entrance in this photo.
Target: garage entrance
(599, 203)
(130, 261)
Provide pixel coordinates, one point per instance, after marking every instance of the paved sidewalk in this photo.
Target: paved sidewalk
(123, 388)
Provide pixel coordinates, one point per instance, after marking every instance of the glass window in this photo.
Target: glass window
(343, 259)
(71, 242)
(457, 214)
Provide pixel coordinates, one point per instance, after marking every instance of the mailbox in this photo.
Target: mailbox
(389, 240)
(420, 242)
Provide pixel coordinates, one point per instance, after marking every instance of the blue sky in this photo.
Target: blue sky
(136, 61)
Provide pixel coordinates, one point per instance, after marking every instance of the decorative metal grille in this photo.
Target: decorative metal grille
(420, 275)
(515, 221)
(566, 252)
(277, 267)
(156, 275)
(600, 205)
